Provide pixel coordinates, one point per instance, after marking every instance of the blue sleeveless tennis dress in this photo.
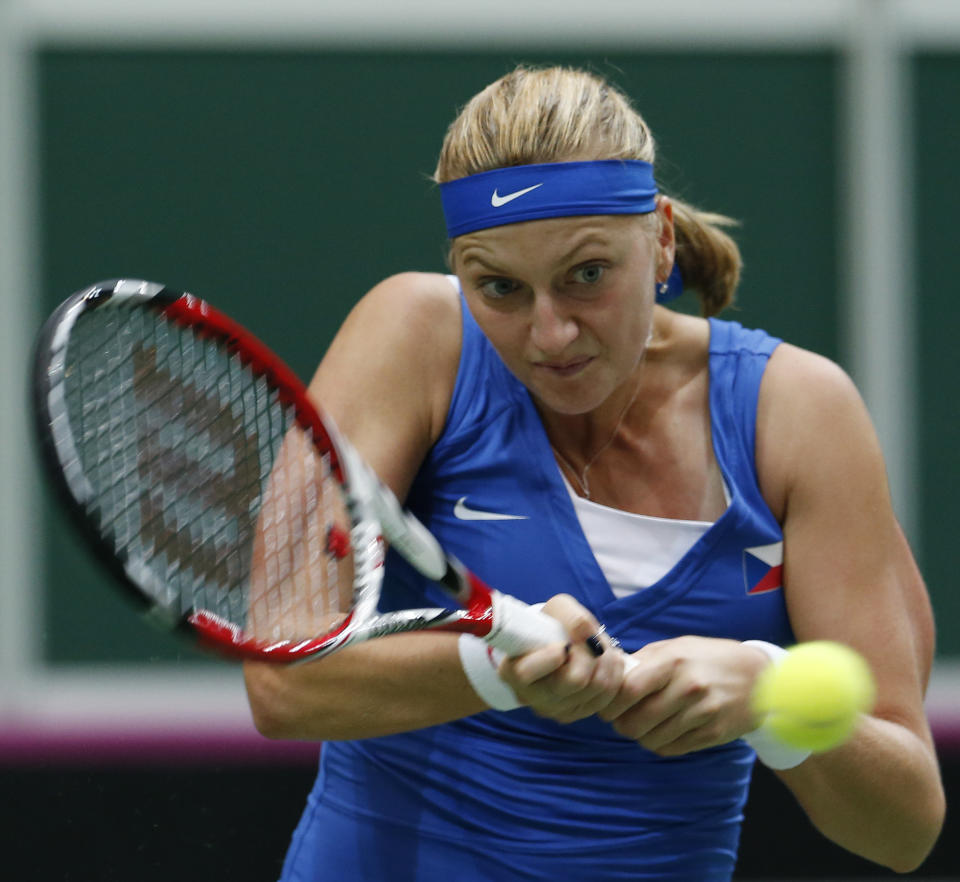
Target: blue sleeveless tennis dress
(511, 796)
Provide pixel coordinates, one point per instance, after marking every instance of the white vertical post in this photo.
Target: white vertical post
(19, 518)
(876, 190)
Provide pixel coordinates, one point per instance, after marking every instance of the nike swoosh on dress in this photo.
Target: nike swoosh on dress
(464, 513)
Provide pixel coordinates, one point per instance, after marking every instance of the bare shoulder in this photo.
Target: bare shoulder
(796, 368)
(800, 387)
(809, 411)
(409, 321)
(428, 297)
(388, 376)
(406, 307)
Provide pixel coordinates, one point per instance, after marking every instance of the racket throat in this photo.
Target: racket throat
(478, 601)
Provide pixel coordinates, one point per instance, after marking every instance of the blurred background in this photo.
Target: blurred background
(274, 158)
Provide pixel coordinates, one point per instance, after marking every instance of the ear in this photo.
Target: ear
(666, 238)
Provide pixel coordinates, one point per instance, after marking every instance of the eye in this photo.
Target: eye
(497, 288)
(589, 274)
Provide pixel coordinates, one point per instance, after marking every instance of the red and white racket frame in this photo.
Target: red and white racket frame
(377, 517)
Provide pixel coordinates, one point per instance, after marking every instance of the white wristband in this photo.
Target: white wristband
(480, 663)
(770, 750)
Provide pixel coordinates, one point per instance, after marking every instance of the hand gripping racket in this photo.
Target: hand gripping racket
(212, 486)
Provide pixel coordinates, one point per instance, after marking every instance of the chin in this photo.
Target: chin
(568, 405)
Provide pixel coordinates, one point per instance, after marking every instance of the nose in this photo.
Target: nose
(552, 327)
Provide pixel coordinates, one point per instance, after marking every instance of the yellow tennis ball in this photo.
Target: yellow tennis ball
(812, 698)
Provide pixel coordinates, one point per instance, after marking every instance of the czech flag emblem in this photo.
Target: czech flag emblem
(763, 568)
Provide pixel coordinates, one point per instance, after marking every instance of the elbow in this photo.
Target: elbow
(922, 848)
(271, 724)
(894, 828)
(911, 860)
(924, 832)
(275, 716)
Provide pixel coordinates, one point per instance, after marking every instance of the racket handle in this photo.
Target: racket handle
(519, 627)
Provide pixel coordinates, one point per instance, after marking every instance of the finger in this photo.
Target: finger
(578, 621)
(653, 726)
(591, 696)
(682, 733)
(649, 723)
(664, 715)
(645, 678)
(605, 684)
(574, 679)
(524, 670)
(581, 687)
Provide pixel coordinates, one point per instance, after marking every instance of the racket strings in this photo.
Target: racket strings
(298, 588)
(200, 477)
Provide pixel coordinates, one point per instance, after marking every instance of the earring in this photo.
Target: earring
(670, 287)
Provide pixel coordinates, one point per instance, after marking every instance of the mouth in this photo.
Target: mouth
(565, 368)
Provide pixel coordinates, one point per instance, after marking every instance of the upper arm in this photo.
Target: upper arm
(386, 379)
(849, 574)
(388, 376)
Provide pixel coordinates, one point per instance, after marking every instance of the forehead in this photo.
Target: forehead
(554, 238)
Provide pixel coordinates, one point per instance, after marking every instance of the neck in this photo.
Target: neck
(580, 441)
(578, 465)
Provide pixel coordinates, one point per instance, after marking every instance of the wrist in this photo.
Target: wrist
(481, 664)
(770, 750)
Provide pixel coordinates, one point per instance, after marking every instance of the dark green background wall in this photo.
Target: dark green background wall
(937, 111)
(282, 185)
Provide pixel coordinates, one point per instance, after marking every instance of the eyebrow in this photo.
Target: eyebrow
(593, 238)
(473, 255)
(470, 258)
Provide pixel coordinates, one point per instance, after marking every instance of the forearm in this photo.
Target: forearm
(389, 685)
(879, 796)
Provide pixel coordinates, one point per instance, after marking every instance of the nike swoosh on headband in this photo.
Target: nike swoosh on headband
(496, 200)
(463, 512)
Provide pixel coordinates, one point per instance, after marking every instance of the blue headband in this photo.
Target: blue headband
(552, 189)
(549, 189)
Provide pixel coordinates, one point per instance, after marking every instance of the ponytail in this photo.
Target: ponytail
(709, 259)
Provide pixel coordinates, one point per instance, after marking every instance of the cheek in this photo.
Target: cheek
(504, 330)
(630, 324)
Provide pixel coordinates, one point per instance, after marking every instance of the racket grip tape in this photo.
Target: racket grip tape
(519, 627)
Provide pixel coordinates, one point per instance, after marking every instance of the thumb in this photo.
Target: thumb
(579, 622)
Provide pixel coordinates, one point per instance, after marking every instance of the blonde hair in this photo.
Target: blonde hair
(559, 114)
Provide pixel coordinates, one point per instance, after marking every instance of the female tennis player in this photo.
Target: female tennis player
(708, 493)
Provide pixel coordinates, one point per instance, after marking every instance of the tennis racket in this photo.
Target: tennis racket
(204, 476)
